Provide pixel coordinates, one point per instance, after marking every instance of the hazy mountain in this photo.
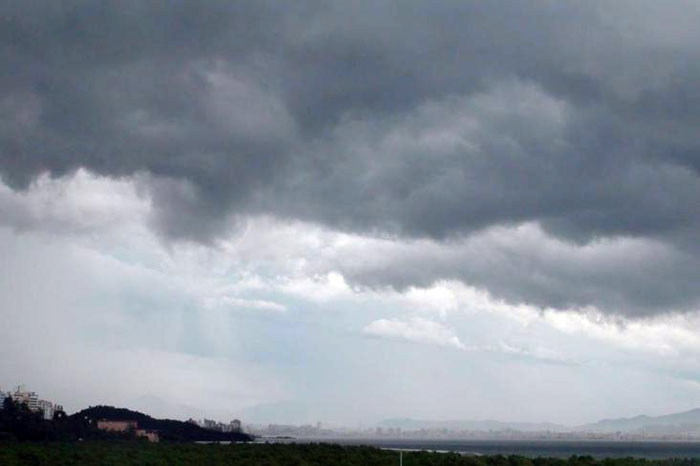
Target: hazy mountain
(677, 423)
(688, 421)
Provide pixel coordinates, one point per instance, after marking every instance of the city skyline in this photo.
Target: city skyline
(352, 211)
(32, 400)
(670, 427)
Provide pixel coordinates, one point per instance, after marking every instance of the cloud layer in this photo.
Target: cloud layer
(421, 121)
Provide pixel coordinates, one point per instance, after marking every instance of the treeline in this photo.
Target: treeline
(184, 454)
(19, 423)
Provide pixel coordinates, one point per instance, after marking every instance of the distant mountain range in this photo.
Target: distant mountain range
(687, 421)
(678, 423)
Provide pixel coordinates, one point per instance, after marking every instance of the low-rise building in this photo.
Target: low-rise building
(116, 425)
(151, 435)
(127, 426)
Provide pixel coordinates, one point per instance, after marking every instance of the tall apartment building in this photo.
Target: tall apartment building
(49, 409)
(209, 424)
(31, 399)
(235, 426)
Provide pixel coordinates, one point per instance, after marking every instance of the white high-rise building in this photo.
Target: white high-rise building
(31, 399)
(47, 408)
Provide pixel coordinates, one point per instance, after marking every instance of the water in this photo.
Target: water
(532, 448)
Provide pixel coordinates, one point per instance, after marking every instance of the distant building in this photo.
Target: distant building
(127, 426)
(47, 408)
(235, 426)
(31, 399)
(209, 424)
(192, 421)
(151, 435)
(116, 426)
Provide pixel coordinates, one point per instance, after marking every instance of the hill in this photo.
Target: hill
(168, 429)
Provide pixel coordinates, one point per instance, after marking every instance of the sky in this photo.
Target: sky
(346, 211)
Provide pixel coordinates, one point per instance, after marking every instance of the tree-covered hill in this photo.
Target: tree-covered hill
(18, 422)
(168, 429)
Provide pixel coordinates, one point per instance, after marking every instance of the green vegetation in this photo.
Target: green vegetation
(124, 453)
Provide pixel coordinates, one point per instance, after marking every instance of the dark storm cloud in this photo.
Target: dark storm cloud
(425, 119)
(630, 277)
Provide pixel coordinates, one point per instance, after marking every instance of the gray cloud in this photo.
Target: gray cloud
(418, 120)
(629, 278)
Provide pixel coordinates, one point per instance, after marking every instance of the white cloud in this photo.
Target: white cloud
(319, 288)
(667, 335)
(438, 297)
(417, 330)
(229, 302)
(78, 203)
(538, 352)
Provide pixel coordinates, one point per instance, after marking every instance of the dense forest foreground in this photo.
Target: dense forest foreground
(124, 452)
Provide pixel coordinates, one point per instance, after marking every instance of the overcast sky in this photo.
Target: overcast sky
(343, 211)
